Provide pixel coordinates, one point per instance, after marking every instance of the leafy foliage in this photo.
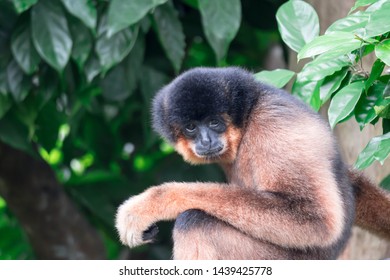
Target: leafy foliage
(50, 33)
(13, 242)
(77, 78)
(221, 20)
(76, 81)
(303, 29)
(335, 72)
(122, 14)
(170, 33)
(377, 149)
(278, 78)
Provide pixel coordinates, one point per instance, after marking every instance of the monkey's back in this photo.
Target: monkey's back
(288, 150)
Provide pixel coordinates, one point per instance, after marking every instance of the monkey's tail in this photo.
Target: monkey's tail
(372, 205)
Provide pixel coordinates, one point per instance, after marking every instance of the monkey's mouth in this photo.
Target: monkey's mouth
(210, 153)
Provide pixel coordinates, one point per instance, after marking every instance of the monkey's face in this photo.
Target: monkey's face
(202, 113)
(211, 140)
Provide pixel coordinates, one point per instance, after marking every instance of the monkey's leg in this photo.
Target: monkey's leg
(192, 238)
(199, 236)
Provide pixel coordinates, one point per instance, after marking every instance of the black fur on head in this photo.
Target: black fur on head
(203, 92)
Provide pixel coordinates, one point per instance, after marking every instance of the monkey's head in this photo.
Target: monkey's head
(202, 112)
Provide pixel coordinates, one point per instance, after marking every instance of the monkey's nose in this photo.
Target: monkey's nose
(205, 142)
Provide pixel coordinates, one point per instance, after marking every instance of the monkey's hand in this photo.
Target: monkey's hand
(135, 220)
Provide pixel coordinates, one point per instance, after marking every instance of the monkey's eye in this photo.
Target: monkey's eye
(190, 128)
(214, 123)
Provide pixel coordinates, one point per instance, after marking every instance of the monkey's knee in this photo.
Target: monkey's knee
(191, 236)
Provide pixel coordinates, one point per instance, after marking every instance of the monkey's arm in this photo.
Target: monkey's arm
(289, 221)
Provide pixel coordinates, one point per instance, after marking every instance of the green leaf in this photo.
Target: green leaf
(151, 81)
(319, 68)
(3, 81)
(50, 33)
(82, 9)
(192, 3)
(220, 20)
(379, 22)
(278, 78)
(92, 67)
(383, 109)
(364, 111)
(122, 14)
(114, 84)
(315, 101)
(382, 51)
(23, 5)
(385, 183)
(23, 49)
(376, 6)
(298, 24)
(305, 89)
(377, 149)
(331, 84)
(361, 3)
(48, 124)
(350, 23)
(146, 24)
(134, 62)
(49, 86)
(82, 39)
(376, 71)
(112, 50)
(340, 42)
(86, 95)
(5, 104)
(344, 102)
(14, 133)
(170, 33)
(18, 83)
(386, 92)
(367, 49)
(27, 113)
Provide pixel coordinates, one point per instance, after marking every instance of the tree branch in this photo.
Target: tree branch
(54, 225)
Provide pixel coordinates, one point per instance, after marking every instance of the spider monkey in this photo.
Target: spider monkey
(289, 195)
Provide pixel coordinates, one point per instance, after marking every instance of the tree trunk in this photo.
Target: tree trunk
(363, 245)
(55, 227)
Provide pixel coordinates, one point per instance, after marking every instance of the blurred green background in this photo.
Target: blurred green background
(77, 78)
(76, 81)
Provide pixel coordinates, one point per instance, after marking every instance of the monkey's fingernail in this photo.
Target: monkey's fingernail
(150, 233)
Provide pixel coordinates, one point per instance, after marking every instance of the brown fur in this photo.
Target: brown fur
(215, 239)
(288, 194)
(372, 205)
(276, 205)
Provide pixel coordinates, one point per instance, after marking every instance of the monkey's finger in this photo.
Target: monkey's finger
(150, 233)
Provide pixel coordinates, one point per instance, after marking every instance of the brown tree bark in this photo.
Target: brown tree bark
(53, 224)
(363, 245)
